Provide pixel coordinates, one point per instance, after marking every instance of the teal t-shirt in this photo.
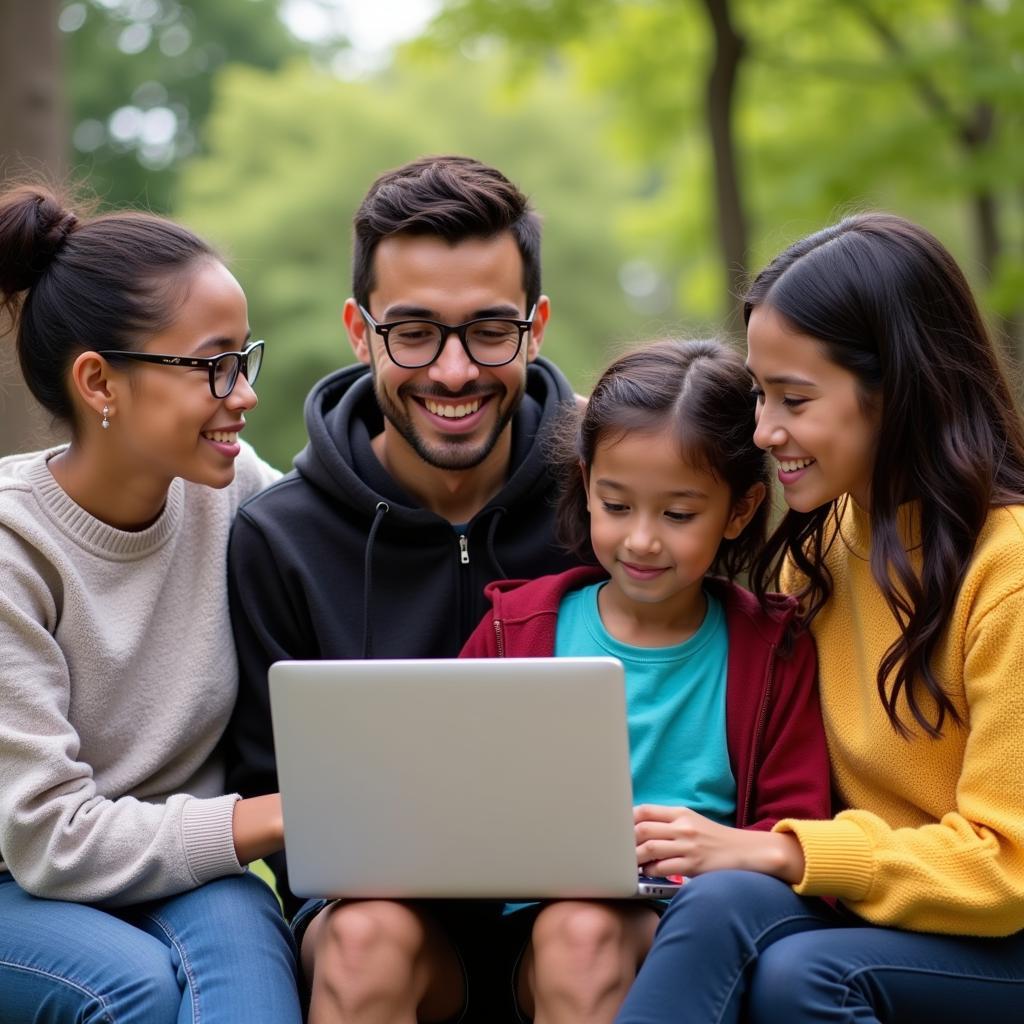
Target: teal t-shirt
(675, 706)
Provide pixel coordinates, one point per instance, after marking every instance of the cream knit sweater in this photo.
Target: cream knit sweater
(117, 677)
(934, 837)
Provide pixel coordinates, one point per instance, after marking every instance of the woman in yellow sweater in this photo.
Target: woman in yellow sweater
(900, 450)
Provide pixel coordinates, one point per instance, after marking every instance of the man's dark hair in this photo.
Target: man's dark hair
(452, 197)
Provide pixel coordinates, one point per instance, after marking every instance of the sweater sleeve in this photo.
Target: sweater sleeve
(963, 874)
(59, 837)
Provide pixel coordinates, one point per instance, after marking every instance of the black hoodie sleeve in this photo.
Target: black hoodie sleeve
(255, 592)
(265, 631)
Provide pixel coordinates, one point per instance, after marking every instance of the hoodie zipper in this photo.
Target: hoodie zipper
(463, 618)
(758, 734)
(499, 637)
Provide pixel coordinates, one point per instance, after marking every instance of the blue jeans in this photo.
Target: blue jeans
(220, 953)
(734, 945)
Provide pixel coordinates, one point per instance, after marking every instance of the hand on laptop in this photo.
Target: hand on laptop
(678, 841)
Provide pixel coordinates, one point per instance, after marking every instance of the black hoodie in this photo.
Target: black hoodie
(335, 560)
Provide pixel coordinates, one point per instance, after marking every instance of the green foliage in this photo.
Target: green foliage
(597, 107)
(291, 153)
(842, 104)
(140, 79)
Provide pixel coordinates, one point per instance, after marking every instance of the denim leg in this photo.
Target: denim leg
(232, 950)
(63, 962)
(708, 943)
(868, 975)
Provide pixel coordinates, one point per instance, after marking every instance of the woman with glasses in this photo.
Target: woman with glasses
(123, 889)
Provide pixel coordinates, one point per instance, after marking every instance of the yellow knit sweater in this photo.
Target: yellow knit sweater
(934, 838)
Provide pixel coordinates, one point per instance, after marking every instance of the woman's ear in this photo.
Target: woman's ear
(92, 383)
(743, 511)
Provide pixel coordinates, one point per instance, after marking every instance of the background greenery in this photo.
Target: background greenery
(599, 109)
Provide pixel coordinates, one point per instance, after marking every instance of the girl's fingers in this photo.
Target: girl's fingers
(659, 850)
(665, 868)
(656, 812)
(646, 830)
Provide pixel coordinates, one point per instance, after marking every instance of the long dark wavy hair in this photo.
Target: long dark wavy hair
(890, 305)
(697, 390)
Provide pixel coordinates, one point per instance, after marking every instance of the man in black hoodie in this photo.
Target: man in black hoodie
(424, 479)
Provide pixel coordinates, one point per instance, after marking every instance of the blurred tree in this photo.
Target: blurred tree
(917, 106)
(976, 109)
(912, 104)
(32, 142)
(290, 155)
(649, 37)
(141, 74)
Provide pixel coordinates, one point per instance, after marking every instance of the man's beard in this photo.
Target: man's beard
(456, 453)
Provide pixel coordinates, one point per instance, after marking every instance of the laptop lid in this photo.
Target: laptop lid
(455, 777)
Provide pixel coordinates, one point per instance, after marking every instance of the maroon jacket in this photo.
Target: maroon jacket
(772, 717)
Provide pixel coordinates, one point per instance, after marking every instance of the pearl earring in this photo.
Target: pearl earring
(106, 417)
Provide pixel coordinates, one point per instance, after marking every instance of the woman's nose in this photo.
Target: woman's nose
(768, 433)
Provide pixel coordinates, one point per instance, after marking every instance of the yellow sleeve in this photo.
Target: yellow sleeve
(963, 874)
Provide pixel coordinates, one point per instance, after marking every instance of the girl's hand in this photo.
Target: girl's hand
(678, 841)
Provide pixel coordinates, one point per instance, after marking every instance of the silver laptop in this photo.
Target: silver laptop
(504, 778)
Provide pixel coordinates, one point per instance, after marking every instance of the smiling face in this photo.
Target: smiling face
(165, 420)
(811, 415)
(656, 522)
(452, 413)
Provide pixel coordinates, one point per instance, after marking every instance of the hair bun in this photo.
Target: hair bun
(34, 227)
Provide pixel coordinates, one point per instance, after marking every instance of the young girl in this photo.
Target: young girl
(664, 487)
(900, 451)
(123, 895)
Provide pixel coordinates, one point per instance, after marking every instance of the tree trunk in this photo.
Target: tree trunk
(721, 90)
(33, 133)
(974, 133)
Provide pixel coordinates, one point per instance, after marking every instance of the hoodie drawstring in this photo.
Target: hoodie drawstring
(382, 509)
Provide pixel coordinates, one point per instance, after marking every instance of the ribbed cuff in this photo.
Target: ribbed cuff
(837, 855)
(209, 839)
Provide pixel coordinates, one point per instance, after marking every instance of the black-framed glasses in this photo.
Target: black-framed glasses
(487, 341)
(223, 368)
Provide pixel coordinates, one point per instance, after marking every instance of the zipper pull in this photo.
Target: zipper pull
(463, 549)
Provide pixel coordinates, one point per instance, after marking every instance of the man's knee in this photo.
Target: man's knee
(379, 953)
(583, 958)
(578, 934)
(357, 934)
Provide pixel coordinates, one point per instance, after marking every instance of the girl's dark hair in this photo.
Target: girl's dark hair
(453, 197)
(697, 390)
(890, 305)
(74, 284)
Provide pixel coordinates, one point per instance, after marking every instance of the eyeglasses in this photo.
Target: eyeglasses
(490, 341)
(223, 368)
